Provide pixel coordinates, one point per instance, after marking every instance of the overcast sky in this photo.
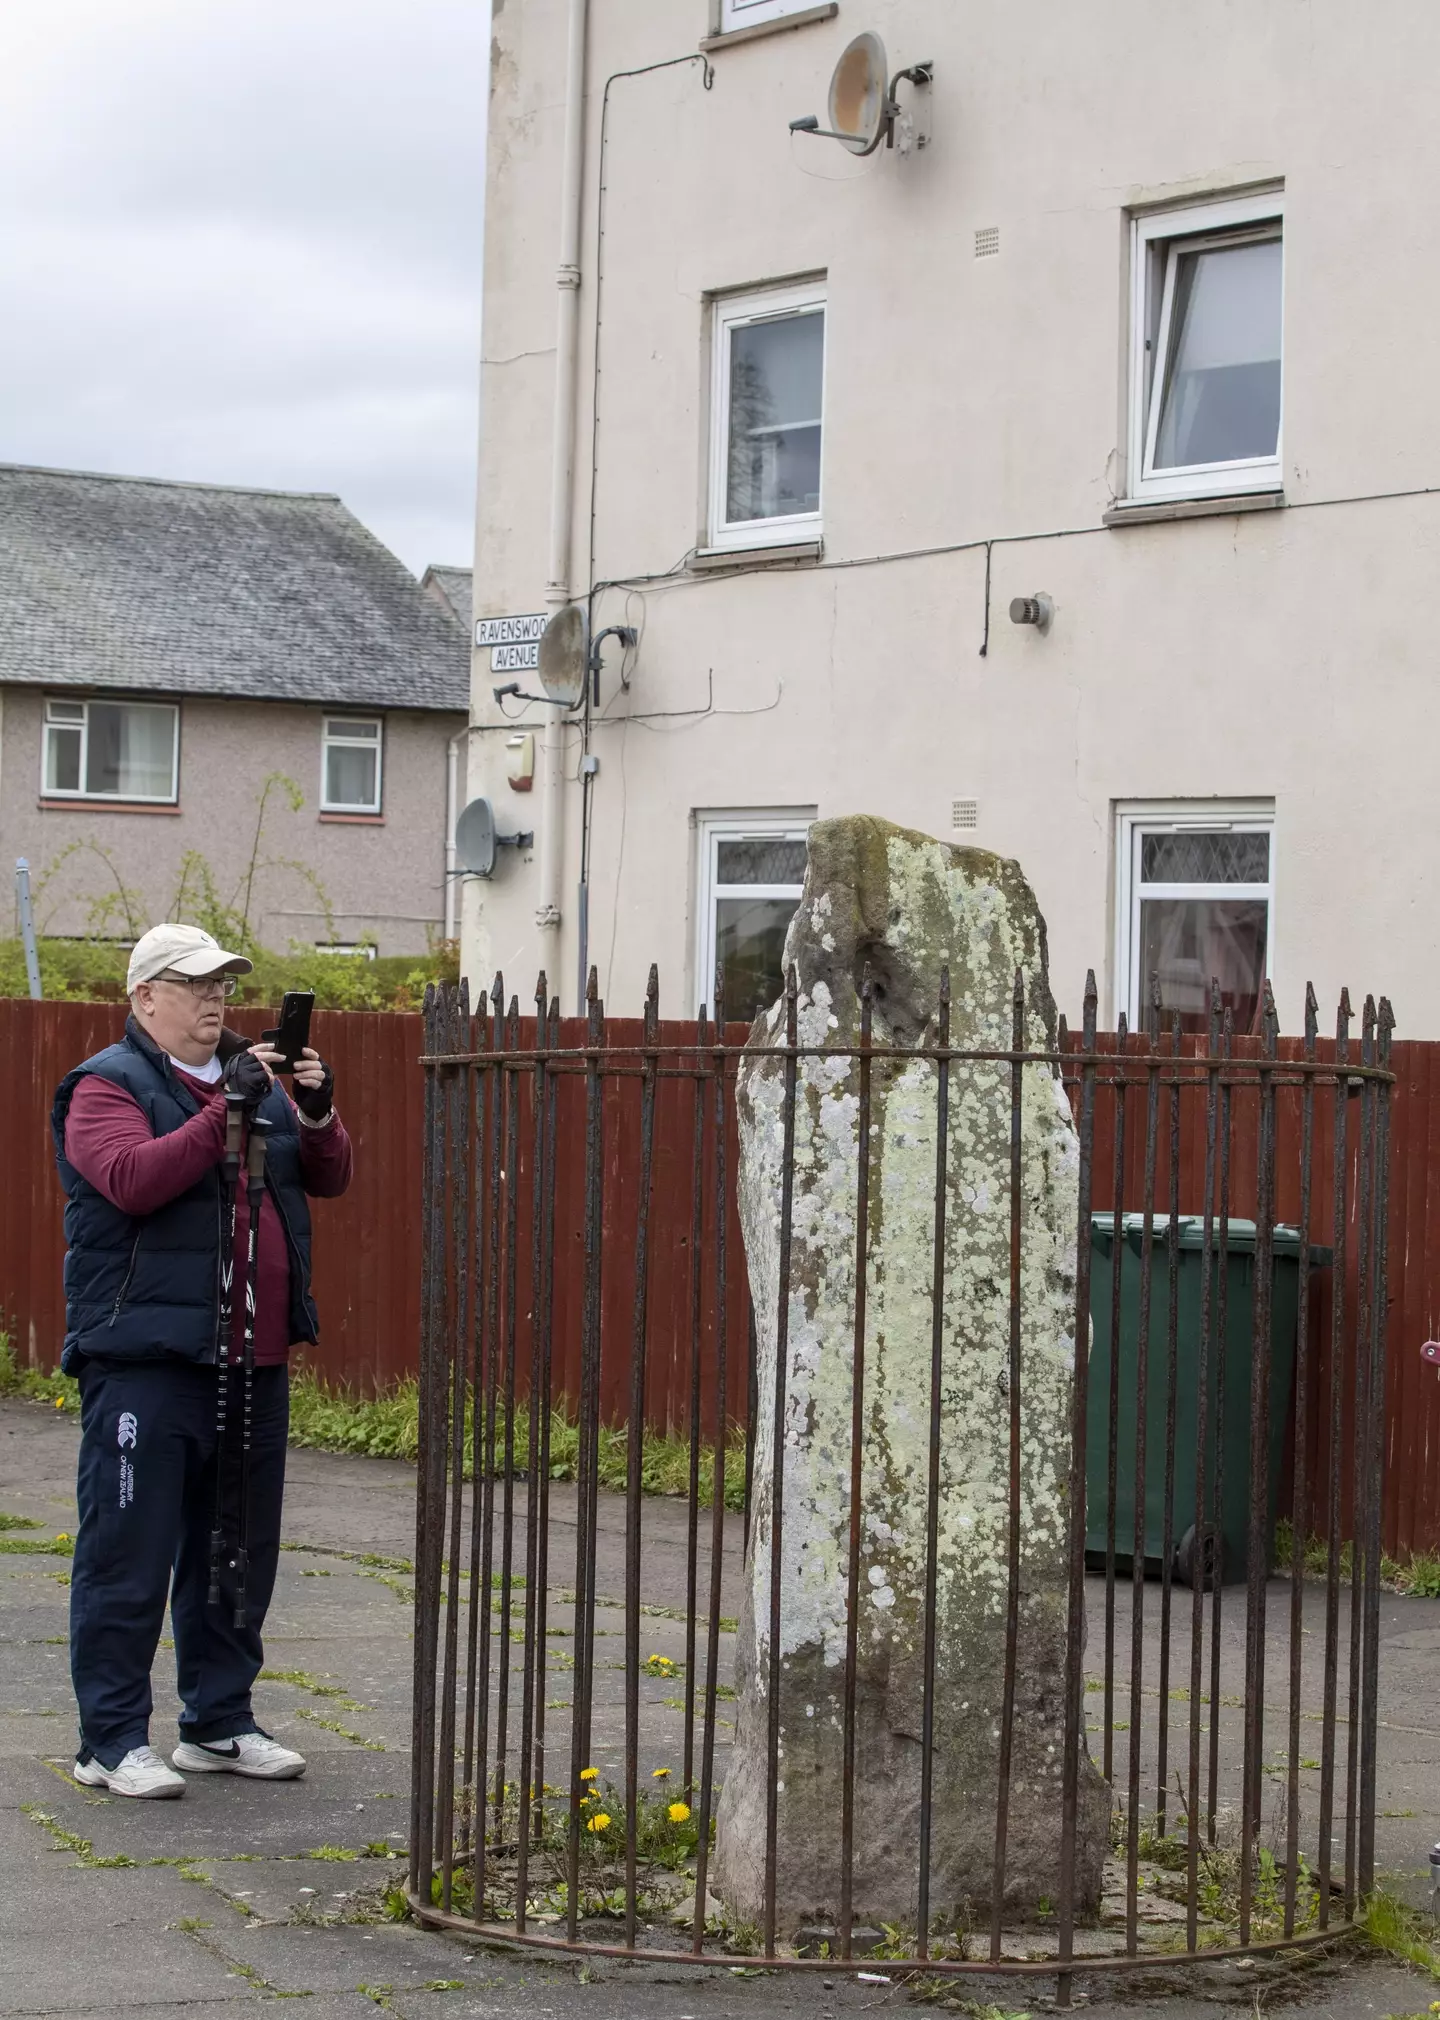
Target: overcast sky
(240, 242)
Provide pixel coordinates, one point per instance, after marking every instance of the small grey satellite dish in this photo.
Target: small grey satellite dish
(859, 95)
(565, 656)
(476, 839)
(863, 107)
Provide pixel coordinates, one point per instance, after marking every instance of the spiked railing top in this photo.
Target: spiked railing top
(453, 1038)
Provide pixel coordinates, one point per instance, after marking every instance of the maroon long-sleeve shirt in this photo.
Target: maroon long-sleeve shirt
(108, 1140)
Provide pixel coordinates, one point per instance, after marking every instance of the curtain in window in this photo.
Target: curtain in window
(1186, 941)
(132, 751)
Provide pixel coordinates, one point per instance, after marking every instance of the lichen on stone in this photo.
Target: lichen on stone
(905, 908)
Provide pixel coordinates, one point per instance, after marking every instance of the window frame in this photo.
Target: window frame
(731, 825)
(330, 737)
(728, 313)
(1135, 819)
(735, 14)
(1155, 239)
(84, 791)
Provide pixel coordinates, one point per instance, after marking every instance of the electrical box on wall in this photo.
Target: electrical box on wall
(520, 761)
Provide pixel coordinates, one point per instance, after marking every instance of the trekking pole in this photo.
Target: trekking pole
(254, 1194)
(229, 1188)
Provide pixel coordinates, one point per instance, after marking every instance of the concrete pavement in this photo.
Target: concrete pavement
(244, 1893)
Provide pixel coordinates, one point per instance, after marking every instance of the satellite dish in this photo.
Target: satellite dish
(860, 96)
(565, 656)
(476, 839)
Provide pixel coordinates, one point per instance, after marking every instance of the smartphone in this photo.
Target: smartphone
(293, 1032)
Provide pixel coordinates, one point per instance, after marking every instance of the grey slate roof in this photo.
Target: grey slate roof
(457, 587)
(124, 582)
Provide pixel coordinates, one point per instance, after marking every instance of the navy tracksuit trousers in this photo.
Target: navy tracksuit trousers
(146, 1491)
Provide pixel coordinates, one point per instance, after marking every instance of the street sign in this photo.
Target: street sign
(511, 630)
(514, 658)
(514, 642)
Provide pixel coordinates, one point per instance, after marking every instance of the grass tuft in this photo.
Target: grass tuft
(329, 1418)
(1399, 1932)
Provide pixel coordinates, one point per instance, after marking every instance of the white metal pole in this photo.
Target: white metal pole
(452, 814)
(551, 822)
(27, 927)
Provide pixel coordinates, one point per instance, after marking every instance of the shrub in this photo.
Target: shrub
(93, 971)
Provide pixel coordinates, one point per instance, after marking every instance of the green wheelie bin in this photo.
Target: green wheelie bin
(1235, 1353)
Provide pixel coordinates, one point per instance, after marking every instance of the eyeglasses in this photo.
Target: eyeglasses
(202, 985)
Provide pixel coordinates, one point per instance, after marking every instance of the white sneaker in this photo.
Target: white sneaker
(249, 1753)
(141, 1773)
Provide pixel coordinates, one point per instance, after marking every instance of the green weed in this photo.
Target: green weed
(303, 1680)
(18, 1522)
(336, 1419)
(71, 1841)
(1399, 1932)
(332, 1418)
(1417, 1575)
(333, 1725)
(29, 1385)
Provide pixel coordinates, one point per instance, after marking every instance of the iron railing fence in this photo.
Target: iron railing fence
(516, 1833)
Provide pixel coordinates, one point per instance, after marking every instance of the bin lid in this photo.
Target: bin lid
(1239, 1238)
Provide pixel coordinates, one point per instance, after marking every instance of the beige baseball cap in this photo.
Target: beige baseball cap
(181, 950)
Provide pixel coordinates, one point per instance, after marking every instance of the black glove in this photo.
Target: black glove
(315, 1103)
(244, 1074)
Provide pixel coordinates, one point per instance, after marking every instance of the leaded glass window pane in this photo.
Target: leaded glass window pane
(1193, 857)
(760, 859)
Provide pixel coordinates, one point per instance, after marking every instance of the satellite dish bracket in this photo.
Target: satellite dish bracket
(627, 635)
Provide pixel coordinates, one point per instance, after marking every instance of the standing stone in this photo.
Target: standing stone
(909, 907)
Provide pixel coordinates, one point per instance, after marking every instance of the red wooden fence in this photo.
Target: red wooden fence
(367, 1276)
(367, 1245)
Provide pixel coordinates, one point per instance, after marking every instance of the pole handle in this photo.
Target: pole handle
(255, 1150)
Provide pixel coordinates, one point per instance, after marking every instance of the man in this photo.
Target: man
(139, 1136)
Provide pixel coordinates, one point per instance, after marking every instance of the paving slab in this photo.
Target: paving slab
(238, 1911)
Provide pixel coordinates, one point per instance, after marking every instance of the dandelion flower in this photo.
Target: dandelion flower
(660, 1774)
(63, 1537)
(59, 1402)
(599, 1822)
(678, 1812)
(589, 1774)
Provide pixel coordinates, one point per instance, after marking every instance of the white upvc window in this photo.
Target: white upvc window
(751, 877)
(1194, 903)
(744, 13)
(111, 750)
(352, 749)
(1206, 349)
(767, 407)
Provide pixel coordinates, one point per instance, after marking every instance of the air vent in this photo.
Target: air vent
(964, 814)
(987, 242)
